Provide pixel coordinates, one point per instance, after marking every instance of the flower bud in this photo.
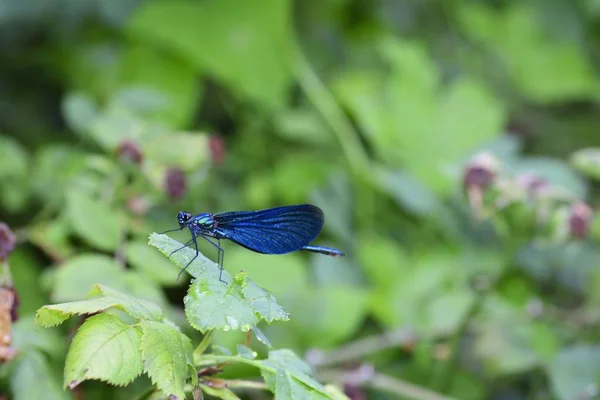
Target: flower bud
(580, 220)
(130, 152)
(175, 183)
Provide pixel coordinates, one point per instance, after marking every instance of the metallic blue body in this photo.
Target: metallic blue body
(276, 230)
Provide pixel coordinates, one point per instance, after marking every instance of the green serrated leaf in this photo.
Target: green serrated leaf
(56, 314)
(151, 263)
(167, 354)
(294, 376)
(137, 308)
(104, 348)
(33, 378)
(95, 222)
(211, 304)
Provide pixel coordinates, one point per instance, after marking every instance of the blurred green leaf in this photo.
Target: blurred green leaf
(383, 261)
(13, 159)
(554, 171)
(447, 311)
(545, 67)
(74, 278)
(303, 125)
(166, 353)
(53, 237)
(330, 314)
(410, 194)
(95, 222)
(79, 111)
(55, 167)
(574, 370)
(187, 150)
(26, 338)
(249, 44)
(151, 263)
(143, 66)
(33, 378)
(587, 161)
(14, 167)
(26, 270)
(104, 348)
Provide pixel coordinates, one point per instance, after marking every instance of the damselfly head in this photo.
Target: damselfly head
(183, 217)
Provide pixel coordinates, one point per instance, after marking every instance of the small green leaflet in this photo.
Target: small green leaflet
(56, 314)
(211, 304)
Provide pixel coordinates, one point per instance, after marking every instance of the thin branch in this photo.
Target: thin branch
(241, 384)
(382, 382)
(358, 349)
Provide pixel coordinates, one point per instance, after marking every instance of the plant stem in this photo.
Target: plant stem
(241, 384)
(358, 349)
(201, 348)
(324, 102)
(382, 382)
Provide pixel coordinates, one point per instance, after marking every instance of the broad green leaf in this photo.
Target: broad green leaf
(283, 276)
(188, 150)
(27, 338)
(166, 353)
(13, 159)
(249, 44)
(587, 161)
(137, 308)
(14, 182)
(574, 370)
(53, 237)
(331, 314)
(546, 67)
(94, 221)
(383, 261)
(151, 263)
(26, 270)
(212, 304)
(447, 311)
(410, 194)
(74, 279)
(104, 348)
(55, 167)
(509, 342)
(143, 66)
(293, 378)
(33, 378)
(79, 111)
(56, 314)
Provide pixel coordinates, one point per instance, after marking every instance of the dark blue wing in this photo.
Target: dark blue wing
(273, 231)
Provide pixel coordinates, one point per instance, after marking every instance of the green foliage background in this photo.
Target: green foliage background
(370, 109)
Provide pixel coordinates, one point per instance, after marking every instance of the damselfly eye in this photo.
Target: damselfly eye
(183, 217)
